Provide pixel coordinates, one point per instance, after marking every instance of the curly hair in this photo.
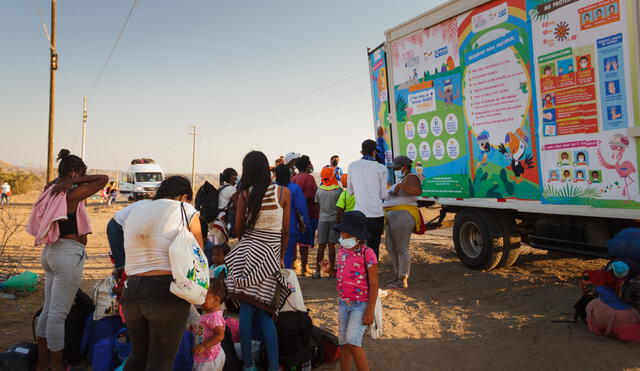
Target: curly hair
(217, 288)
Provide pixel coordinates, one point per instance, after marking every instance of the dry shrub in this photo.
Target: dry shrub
(20, 181)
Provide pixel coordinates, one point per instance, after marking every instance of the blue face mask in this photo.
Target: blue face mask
(399, 175)
(348, 243)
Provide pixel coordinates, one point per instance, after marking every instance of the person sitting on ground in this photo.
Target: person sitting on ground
(63, 256)
(402, 217)
(156, 318)
(299, 217)
(357, 285)
(326, 199)
(209, 332)
(346, 202)
(262, 224)
(307, 183)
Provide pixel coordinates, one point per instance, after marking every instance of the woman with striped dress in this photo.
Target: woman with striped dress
(254, 279)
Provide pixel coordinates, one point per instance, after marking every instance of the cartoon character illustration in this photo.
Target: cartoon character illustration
(566, 176)
(579, 175)
(564, 159)
(513, 149)
(618, 144)
(583, 63)
(553, 175)
(447, 93)
(581, 159)
(548, 101)
(485, 148)
(415, 74)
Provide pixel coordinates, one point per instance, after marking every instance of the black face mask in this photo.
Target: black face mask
(334, 163)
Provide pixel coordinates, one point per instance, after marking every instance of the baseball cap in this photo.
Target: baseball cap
(290, 157)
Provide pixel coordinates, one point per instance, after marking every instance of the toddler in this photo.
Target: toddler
(209, 332)
(219, 269)
(357, 285)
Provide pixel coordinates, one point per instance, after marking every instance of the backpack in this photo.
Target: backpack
(19, 357)
(230, 216)
(94, 331)
(591, 279)
(110, 352)
(604, 320)
(184, 358)
(206, 202)
(328, 348)
(73, 325)
(625, 244)
(294, 339)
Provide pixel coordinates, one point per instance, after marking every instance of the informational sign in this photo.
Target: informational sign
(380, 97)
(428, 96)
(582, 66)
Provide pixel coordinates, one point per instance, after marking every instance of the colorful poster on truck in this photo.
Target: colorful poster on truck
(380, 97)
(583, 73)
(428, 106)
(497, 96)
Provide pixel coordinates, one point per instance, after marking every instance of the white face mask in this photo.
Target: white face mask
(399, 175)
(348, 243)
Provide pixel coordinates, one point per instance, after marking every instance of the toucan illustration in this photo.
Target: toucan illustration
(513, 149)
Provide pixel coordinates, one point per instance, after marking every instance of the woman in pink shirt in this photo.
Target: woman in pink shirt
(357, 285)
(63, 260)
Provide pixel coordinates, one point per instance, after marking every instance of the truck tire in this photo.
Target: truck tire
(511, 238)
(478, 239)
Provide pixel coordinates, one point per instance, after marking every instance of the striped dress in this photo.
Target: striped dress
(254, 265)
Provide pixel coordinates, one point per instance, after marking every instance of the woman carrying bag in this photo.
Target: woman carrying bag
(156, 318)
(262, 223)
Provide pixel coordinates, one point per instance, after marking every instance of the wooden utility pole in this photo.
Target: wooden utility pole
(84, 126)
(52, 90)
(193, 158)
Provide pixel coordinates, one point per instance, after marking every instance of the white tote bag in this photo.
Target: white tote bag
(104, 300)
(295, 302)
(189, 265)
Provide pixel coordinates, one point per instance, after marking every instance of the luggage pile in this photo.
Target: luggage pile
(610, 305)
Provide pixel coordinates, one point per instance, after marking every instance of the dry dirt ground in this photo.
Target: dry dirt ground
(451, 318)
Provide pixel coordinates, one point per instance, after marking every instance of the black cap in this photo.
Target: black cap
(368, 146)
(354, 223)
(401, 161)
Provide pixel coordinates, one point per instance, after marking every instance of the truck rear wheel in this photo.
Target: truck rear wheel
(511, 238)
(478, 239)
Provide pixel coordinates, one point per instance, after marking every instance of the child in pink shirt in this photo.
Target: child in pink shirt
(357, 285)
(209, 332)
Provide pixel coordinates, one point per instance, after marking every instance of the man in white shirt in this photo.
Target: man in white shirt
(6, 194)
(367, 181)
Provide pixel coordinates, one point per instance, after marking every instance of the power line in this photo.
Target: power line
(104, 66)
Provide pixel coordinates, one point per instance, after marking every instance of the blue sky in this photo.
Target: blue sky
(275, 76)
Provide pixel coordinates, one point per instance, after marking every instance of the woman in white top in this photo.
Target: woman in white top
(156, 318)
(228, 180)
(262, 224)
(402, 218)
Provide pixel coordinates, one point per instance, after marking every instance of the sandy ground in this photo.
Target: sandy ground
(451, 318)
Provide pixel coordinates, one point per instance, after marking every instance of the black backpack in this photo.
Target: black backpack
(294, 339)
(206, 203)
(73, 325)
(19, 357)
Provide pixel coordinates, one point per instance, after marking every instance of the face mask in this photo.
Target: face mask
(399, 174)
(348, 243)
(334, 163)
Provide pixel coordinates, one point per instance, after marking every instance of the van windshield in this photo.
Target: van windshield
(148, 177)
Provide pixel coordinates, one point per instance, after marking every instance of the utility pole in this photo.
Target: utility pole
(193, 158)
(84, 126)
(52, 90)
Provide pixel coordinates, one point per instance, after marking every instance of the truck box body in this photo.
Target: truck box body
(523, 118)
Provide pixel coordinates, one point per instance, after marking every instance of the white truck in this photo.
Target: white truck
(523, 117)
(142, 179)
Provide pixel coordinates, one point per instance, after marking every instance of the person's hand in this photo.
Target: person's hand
(198, 349)
(281, 262)
(380, 131)
(61, 187)
(367, 318)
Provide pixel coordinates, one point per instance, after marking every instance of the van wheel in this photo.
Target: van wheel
(478, 239)
(130, 198)
(511, 238)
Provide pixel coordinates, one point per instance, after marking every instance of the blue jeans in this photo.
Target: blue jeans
(291, 248)
(248, 314)
(350, 315)
(115, 235)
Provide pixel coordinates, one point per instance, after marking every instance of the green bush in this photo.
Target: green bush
(20, 182)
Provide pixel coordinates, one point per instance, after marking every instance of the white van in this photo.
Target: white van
(142, 179)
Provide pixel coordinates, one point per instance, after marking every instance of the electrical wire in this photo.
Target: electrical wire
(113, 48)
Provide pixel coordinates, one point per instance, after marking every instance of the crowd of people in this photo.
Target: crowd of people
(278, 214)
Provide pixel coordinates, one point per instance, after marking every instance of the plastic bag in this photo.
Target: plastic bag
(295, 301)
(189, 266)
(104, 299)
(26, 280)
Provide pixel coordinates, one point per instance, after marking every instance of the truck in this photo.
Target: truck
(141, 180)
(523, 118)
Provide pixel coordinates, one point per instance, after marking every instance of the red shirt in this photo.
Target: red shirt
(309, 188)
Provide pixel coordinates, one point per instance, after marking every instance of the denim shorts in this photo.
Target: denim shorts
(350, 315)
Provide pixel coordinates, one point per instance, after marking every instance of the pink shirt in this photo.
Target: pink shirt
(204, 330)
(351, 279)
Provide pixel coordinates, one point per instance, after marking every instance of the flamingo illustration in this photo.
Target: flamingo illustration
(618, 144)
